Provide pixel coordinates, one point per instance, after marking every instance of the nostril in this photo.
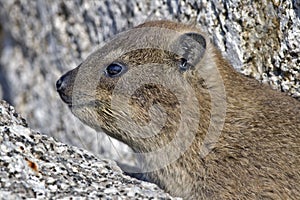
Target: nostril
(62, 83)
(59, 83)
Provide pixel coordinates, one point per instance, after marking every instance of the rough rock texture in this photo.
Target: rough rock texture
(42, 39)
(33, 165)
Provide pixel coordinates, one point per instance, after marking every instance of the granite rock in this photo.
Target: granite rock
(33, 165)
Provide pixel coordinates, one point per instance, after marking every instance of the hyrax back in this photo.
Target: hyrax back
(163, 82)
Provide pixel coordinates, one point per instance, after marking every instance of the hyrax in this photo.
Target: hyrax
(201, 130)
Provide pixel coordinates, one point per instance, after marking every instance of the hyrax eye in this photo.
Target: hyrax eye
(114, 69)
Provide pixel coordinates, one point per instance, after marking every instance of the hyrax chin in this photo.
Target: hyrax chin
(202, 130)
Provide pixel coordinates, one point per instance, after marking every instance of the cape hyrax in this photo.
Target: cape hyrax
(201, 130)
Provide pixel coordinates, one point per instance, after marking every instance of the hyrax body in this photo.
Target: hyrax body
(245, 143)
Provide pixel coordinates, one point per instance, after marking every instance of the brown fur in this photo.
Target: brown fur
(257, 155)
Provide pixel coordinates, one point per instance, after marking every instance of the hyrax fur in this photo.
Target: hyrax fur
(256, 155)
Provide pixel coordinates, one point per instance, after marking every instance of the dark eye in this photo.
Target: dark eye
(114, 69)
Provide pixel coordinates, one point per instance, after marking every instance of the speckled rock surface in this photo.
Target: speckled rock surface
(43, 39)
(36, 166)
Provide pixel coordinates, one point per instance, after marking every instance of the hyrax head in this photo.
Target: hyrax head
(135, 87)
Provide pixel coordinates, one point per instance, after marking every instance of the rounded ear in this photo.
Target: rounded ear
(190, 46)
(198, 38)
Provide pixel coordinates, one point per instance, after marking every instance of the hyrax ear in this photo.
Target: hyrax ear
(191, 48)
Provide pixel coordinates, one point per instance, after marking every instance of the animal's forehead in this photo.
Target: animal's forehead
(146, 56)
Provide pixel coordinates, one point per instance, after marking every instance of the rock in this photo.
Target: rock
(43, 39)
(36, 166)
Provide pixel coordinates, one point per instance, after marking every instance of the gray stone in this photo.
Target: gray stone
(37, 166)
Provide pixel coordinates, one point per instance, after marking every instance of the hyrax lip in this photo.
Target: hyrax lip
(65, 98)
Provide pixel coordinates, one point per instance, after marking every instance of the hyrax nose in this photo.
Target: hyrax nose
(64, 87)
(61, 83)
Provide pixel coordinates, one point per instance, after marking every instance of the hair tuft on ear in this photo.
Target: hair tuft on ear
(197, 37)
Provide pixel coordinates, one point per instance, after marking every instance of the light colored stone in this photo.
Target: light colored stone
(72, 173)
